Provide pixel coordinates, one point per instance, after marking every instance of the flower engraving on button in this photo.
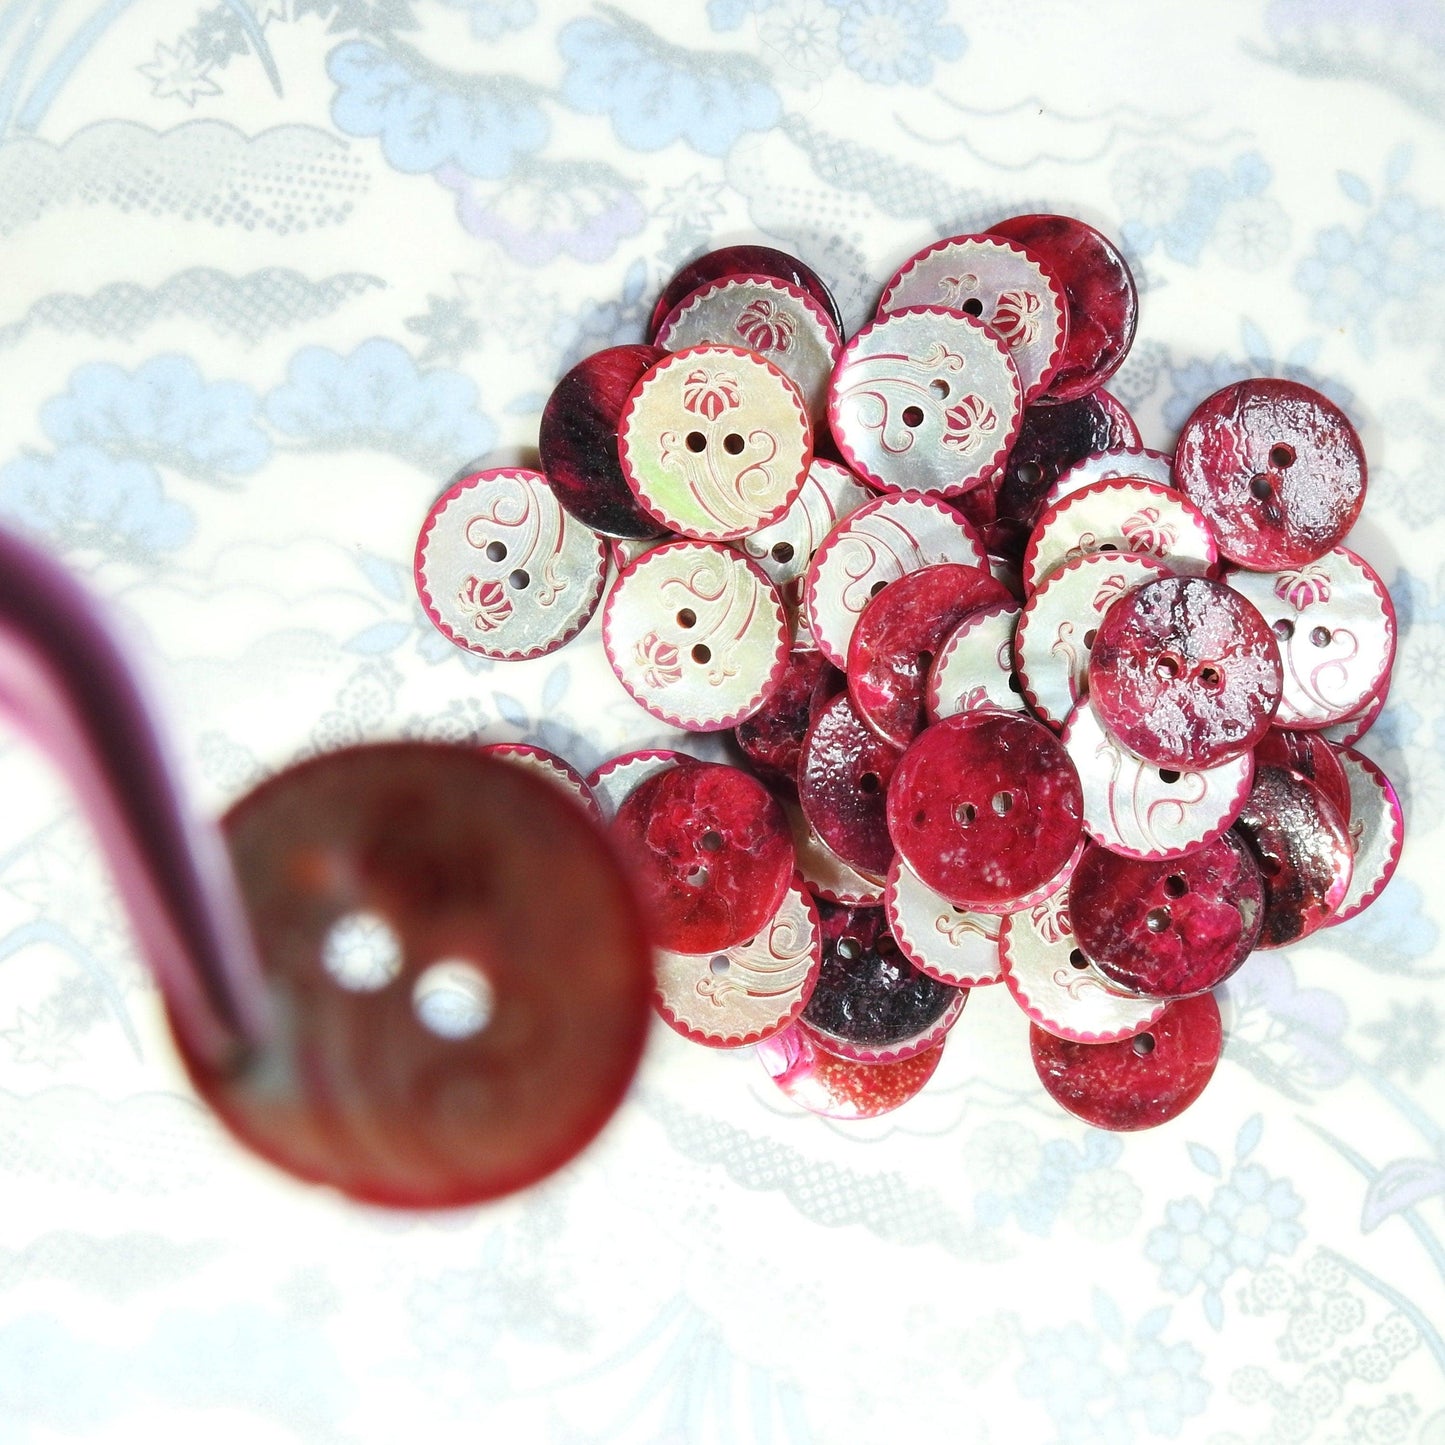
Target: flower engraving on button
(969, 424)
(511, 507)
(1051, 917)
(485, 603)
(657, 661)
(710, 391)
(1019, 318)
(1303, 587)
(765, 326)
(1147, 533)
(894, 387)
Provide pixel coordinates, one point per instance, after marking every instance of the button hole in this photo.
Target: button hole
(696, 442)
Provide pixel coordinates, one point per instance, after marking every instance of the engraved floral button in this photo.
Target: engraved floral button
(951, 944)
(1142, 811)
(1377, 832)
(1336, 629)
(710, 853)
(1060, 621)
(1276, 467)
(744, 261)
(974, 667)
(741, 995)
(776, 320)
(1102, 302)
(925, 400)
(1121, 464)
(772, 738)
(1003, 286)
(784, 550)
(1139, 1082)
(503, 571)
(696, 634)
(985, 808)
(548, 766)
(1185, 673)
(715, 442)
(1348, 731)
(1170, 927)
(612, 782)
(577, 441)
(877, 544)
(900, 632)
(837, 1088)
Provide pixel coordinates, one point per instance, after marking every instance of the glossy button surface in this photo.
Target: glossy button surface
(837, 1088)
(772, 738)
(743, 261)
(974, 667)
(843, 780)
(948, 943)
(1120, 464)
(1376, 830)
(784, 550)
(826, 875)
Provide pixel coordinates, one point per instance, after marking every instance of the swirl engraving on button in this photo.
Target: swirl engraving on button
(766, 968)
(954, 926)
(907, 381)
(509, 505)
(724, 613)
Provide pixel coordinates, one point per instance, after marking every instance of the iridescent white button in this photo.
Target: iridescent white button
(784, 550)
(780, 322)
(950, 944)
(550, 768)
(1377, 832)
(696, 634)
(880, 542)
(1121, 516)
(1137, 464)
(715, 442)
(1140, 811)
(1057, 987)
(503, 571)
(747, 993)
(925, 400)
(1056, 628)
(612, 782)
(975, 666)
(1335, 625)
(825, 873)
(1003, 286)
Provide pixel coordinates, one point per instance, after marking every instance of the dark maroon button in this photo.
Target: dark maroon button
(843, 786)
(838, 1088)
(898, 635)
(577, 441)
(870, 1003)
(1139, 1082)
(710, 852)
(772, 738)
(1303, 850)
(1168, 928)
(1185, 673)
(1308, 755)
(985, 807)
(743, 261)
(1276, 467)
(1103, 304)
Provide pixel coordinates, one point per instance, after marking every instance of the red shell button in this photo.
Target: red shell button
(743, 261)
(1102, 301)
(898, 636)
(839, 1088)
(1139, 1082)
(772, 738)
(985, 808)
(1276, 467)
(1308, 755)
(1184, 673)
(710, 852)
(1168, 928)
(1377, 833)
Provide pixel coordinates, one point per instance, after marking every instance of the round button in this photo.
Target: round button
(715, 442)
(772, 318)
(548, 766)
(985, 808)
(784, 550)
(1138, 810)
(999, 283)
(1113, 517)
(772, 738)
(1139, 1082)
(503, 571)
(827, 876)
(1168, 928)
(898, 635)
(843, 783)
(1309, 755)
(1184, 673)
(1302, 848)
(577, 441)
(612, 783)
(1103, 305)
(974, 667)
(744, 261)
(696, 634)
(1121, 464)
(838, 1088)
(880, 542)
(951, 944)
(710, 853)
(1060, 621)
(925, 400)
(1336, 629)
(445, 1040)
(741, 995)
(1276, 467)
(870, 1003)
(1348, 731)
(1376, 829)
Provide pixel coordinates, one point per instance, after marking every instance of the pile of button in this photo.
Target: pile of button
(1015, 700)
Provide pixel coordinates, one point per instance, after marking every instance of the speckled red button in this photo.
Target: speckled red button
(1139, 1082)
(1168, 928)
(743, 261)
(1276, 467)
(1311, 756)
(1184, 673)
(710, 854)
(1103, 304)
(827, 877)
(843, 783)
(1302, 848)
(951, 944)
(900, 632)
(839, 1088)
(577, 441)
(715, 442)
(772, 738)
(502, 570)
(975, 666)
(925, 400)
(985, 808)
